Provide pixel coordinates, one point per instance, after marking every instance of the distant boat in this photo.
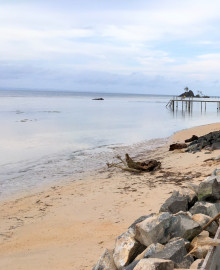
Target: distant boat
(98, 98)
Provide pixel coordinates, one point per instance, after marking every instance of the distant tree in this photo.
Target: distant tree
(186, 89)
(200, 93)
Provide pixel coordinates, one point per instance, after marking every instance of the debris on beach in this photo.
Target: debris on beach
(179, 236)
(175, 146)
(136, 167)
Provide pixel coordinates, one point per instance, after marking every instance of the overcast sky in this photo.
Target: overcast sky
(147, 46)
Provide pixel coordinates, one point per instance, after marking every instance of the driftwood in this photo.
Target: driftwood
(201, 241)
(175, 146)
(137, 167)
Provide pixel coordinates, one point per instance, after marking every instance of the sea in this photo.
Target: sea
(49, 136)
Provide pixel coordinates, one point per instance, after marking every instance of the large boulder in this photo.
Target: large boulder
(126, 249)
(106, 261)
(190, 195)
(175, 203)
(176, 251)
(209, 189)
(201, 250)
(203, 220)
(150, 250)
(154, 264)
(206, 208)
(184, 226)
(140, 219)
(154, 229)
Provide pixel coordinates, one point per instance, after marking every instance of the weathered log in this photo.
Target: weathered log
(136, 167)
(177, 146)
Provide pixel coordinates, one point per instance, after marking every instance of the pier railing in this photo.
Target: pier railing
(187, 103)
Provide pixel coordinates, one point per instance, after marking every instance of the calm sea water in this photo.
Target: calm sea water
(46, 135)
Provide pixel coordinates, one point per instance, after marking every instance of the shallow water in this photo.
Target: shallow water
(46, 136)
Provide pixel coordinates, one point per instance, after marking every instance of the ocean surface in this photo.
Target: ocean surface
(48, 136)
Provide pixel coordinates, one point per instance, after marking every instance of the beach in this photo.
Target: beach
(68, 225)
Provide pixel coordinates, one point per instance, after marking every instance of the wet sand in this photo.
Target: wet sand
(68, 226)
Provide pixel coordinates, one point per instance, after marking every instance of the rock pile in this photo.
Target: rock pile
(210, 141)
(171, 238)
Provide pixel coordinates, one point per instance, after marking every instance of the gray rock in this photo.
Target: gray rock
(203, 220)
(197, 264)
(154, 229)
(131, 266)
(152, 249)
(140, 219)
(190, 195)
(209, 189)
(206, 208)
(106, 261)
(184, 226)
(126, 249)
(175, 203)
(154, 264)
(175, 250)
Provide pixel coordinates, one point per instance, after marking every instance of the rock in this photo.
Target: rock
(154, 264)
(152, 249)
(131, 266)
(197, 264)
(206, 208)
(201, 251)
(154, 229)
(176, 251)
(126, 249)
(203, 220)
(184, 226)
(209, 189)
(98, 99)
(106, 261)
(190, 195)
(177, 146)
(140, 219)
(175, 203)
(193, 138)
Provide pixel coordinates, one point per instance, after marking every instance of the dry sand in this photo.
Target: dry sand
(69, 226)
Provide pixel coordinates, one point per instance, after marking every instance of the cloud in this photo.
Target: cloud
(108, 41)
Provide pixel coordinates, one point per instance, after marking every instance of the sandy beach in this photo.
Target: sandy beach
(69, 226)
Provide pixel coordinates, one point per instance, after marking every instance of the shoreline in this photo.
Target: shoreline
(69, 226)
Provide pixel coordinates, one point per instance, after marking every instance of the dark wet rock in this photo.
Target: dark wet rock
(193, 138)
(206, 208)
(209, 141)
(106, 261)
(126, 249)
(184, 226)
(176, 251)
(98, 99)
(203, 220)
(209, 190)
(197, 264)
(175, 203)
(154, 264)
(175, 146)
(154, 229)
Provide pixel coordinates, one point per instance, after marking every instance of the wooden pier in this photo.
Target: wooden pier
(187, 103)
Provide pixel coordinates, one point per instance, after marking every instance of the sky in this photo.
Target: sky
(123, 46)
